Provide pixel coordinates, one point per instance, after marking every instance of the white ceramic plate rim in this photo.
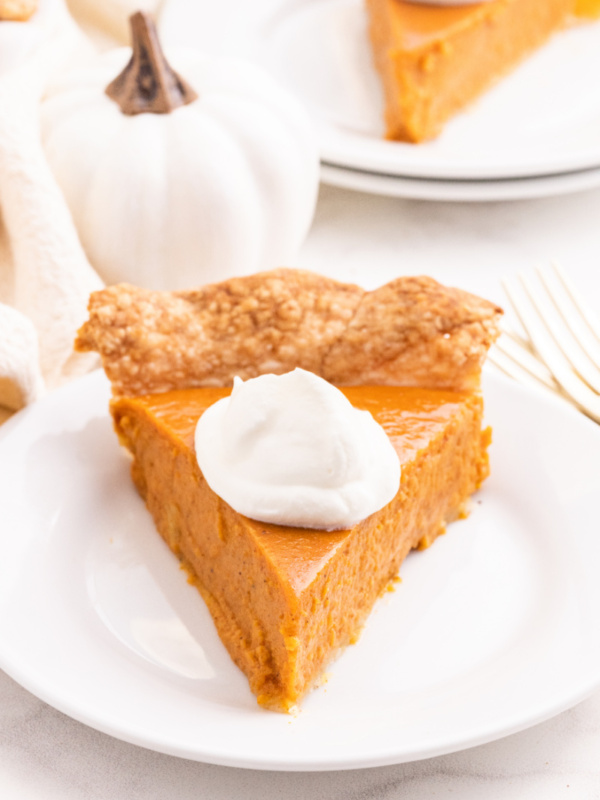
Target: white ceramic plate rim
(62, 414)
(460, 191)
(484, 157)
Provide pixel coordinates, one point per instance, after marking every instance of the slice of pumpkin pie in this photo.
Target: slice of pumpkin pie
(434, 60)
(287, 595)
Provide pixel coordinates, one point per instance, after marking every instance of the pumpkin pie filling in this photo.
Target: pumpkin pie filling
(434, 60)
(17, 10)
(286, 600)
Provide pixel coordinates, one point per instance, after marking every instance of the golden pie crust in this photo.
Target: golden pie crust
(411, 332)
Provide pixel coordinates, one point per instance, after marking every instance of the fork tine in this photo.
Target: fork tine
(549, 352)
(520, 340)
(523, 356)
(584, 310)
(567, 330)
(576, 317)
(511, 367)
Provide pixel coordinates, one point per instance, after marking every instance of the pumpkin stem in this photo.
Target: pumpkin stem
(148, 84)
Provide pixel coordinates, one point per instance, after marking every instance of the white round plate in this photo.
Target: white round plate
(460, 191)
(542, 119)
(492, 629)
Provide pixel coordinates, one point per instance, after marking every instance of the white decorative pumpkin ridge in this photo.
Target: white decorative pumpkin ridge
(223, 186)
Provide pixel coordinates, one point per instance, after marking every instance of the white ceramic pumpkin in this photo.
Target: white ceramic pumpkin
(223, 185)
(110, 16)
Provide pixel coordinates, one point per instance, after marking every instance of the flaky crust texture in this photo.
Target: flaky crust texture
(410, 332)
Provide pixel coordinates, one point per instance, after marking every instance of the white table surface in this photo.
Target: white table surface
(367, 239)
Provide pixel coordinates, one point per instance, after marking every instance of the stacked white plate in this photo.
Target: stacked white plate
(537, 133)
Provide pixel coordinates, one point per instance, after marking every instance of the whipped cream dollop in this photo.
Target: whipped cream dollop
(292, 450)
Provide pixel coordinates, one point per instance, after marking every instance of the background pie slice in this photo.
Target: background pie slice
(285, 600)
(435, 60)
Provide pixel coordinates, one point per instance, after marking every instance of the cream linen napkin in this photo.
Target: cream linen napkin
(45, 277)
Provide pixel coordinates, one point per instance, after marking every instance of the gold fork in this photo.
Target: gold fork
(560, 351)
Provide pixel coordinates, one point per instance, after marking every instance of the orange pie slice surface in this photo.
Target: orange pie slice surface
(435, 60)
